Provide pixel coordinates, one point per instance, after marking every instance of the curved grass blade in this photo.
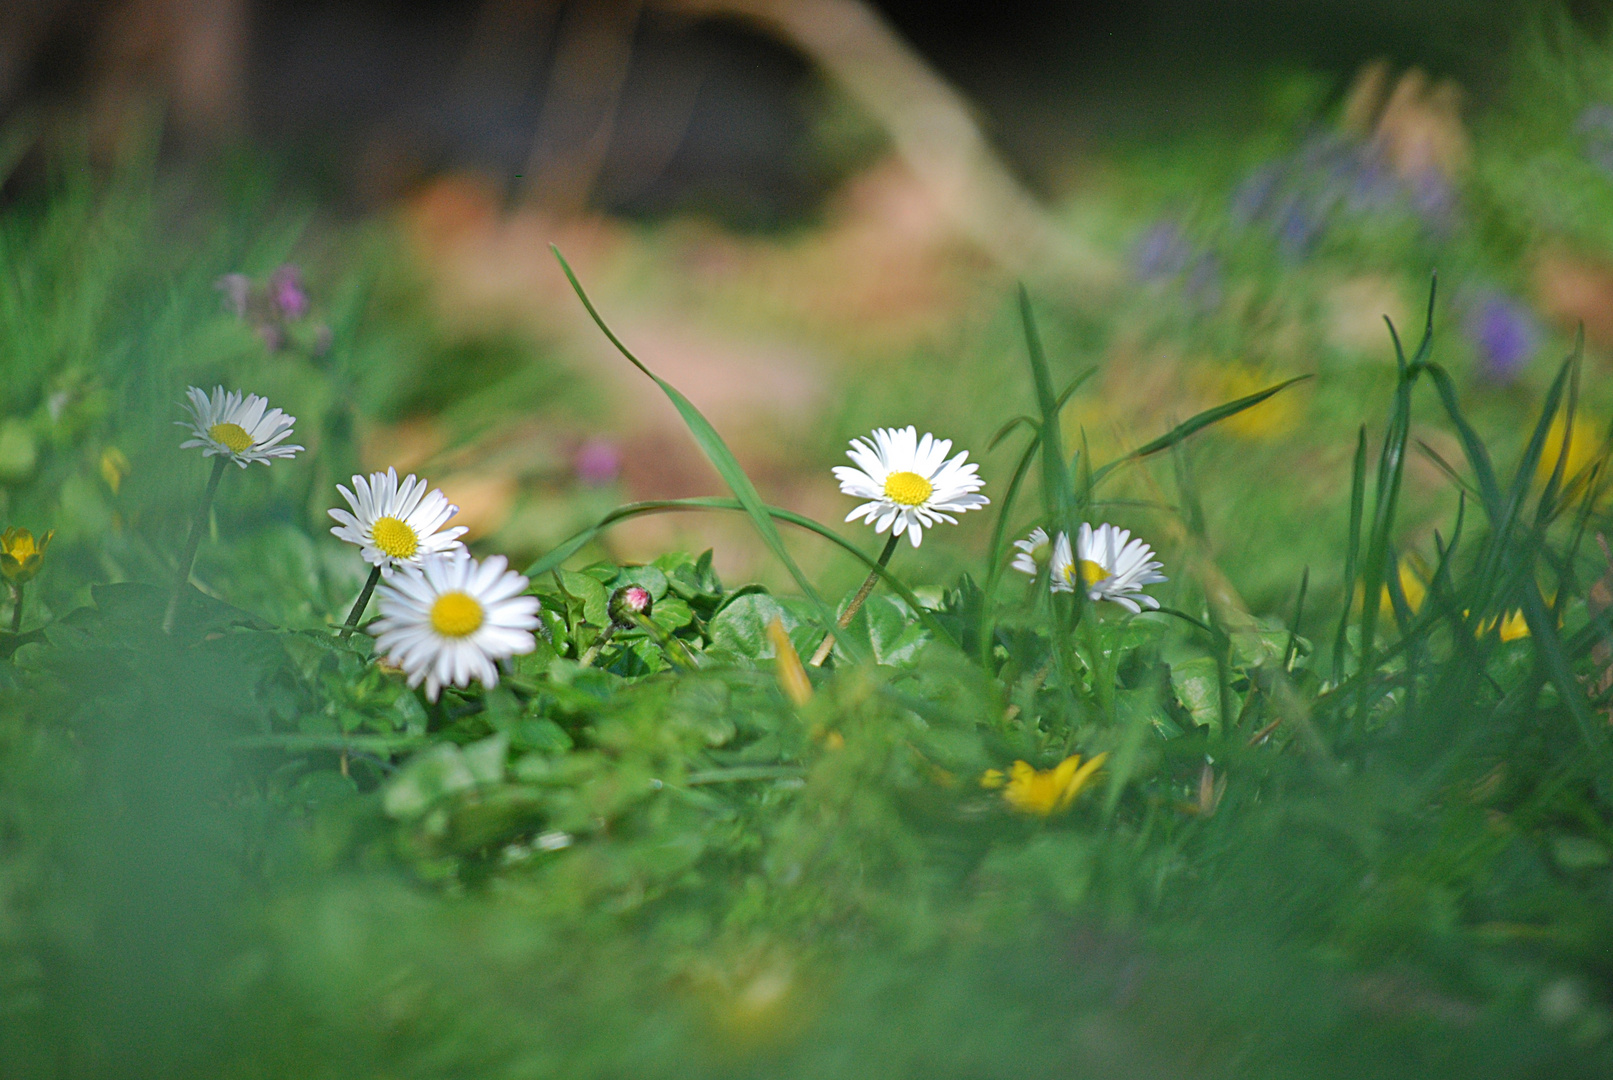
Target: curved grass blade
(717, 452)
(566, 550)
(1195, 424)
(1386, 499)
(1056, 492)
(998, 550)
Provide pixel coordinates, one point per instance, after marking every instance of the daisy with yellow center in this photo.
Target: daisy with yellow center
(392, 525)
(909, 483)
(228, 427)
(395, 523)
(242, 429)
(1034, 552)
(1109, 563)
(1044, 792)
(446, 621)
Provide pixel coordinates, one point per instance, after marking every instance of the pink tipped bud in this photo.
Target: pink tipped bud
(630, 601)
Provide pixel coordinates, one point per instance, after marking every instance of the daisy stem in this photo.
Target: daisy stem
(188, 559)
(828, 642)
(671, 647)
(16, 609)
(362, 603)
(600, 642)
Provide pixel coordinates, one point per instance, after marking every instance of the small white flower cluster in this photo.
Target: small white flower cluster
(445, 617)
(1109, 562)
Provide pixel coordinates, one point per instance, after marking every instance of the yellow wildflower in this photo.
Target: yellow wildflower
(21, 554)
(114, 467)
(1043, 791)
(1411, 584)
(1584, 447)
(1513, 626)
(1272, 418)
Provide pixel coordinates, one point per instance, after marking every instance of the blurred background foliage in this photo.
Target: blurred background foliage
(257, 856)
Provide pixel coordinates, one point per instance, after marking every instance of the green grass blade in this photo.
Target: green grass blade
(997, 551)
(1545, 508)
(1447, 468)
(1195, 424)
(1008, 429)
(1385, 501)
(717, 452)
(1358, 480)
(1057, 495)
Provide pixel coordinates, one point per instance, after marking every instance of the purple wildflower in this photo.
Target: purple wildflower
(1162, 252)
(287, 293)
(1505, 333)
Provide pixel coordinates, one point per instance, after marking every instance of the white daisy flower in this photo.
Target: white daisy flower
(1113, 566)
(1033, 552)
(448, 619)
(910, 482)
(243, 429)
(394, 523)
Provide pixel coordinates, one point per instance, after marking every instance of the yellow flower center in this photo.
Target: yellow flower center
(233, 436)
(907, 488)
(1091, 573)
(394, 538)
(456, 615)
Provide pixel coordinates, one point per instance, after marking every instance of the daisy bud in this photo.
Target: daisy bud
(628, 601)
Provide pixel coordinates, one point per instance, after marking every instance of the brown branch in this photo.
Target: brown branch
(931, 128)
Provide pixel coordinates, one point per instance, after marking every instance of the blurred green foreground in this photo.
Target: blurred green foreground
(1330, 838)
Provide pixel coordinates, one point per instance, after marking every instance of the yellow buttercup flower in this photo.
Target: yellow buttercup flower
(1043, 792)
(1512, 627)
(21, 554)
(1411, 583)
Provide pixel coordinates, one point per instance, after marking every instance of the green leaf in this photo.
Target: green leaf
(662, 506)
(741, 627)
(428, 776)
(592, 598)
(1197, 682)
(647, 577)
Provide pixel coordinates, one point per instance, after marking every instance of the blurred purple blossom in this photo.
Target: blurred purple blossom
(1504, 331)
(1329, 178)
(1162, 252)
(1595, 124)
(597, 462)
(275, 309)
(1253, 195)
(286, 292)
